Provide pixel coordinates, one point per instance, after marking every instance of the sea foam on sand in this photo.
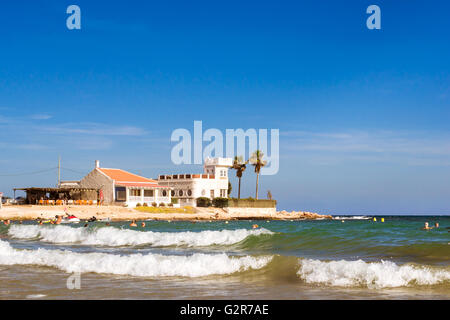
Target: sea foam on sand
(144, 265)
(374, 275)
(110, 236)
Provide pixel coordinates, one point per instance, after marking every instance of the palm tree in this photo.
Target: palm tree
(239, 165)
(257, 161)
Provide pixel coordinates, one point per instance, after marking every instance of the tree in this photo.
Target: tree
(258, 162)
(269, 195)
(230, 188)
(239, 165)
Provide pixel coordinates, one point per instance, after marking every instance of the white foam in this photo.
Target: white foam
(110, 236)
(382, 274)
(35, 296)
(148, 265)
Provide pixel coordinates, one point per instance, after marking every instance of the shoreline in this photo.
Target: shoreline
(119, 213)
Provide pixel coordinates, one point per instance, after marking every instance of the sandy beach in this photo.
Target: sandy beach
(119, 213)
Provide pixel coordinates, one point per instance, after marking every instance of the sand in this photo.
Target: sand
(117, 213)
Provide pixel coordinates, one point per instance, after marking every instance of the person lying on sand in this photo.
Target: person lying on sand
(133, 223)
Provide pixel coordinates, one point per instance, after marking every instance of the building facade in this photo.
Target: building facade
(211, 184)
(122, 187)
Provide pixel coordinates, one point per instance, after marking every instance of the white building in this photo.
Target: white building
(118, 186)
(212, 183)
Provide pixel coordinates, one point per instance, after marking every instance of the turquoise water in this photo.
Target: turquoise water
(356, 258)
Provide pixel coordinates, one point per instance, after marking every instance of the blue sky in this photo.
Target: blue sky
(363, 114)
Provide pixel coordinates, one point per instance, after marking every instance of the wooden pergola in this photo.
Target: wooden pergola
(67, 193)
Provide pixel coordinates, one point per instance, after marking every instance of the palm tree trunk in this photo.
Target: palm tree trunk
(257, 178)
(239, 189)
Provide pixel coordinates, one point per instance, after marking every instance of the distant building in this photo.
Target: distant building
(119, 186)
(212, 183)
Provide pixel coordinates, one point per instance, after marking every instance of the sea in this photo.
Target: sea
(348, 257)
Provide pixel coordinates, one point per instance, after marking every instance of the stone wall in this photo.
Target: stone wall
(96, 179)
(252, 203)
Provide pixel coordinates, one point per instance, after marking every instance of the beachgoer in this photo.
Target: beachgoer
(133, 223)
(255, 226)
(427, 227)
(7, 222)
(86, 225)
(107, 224)
(436, 225)
(143, 224)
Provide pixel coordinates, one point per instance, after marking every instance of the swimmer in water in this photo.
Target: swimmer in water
(58, 219)
(255, 226)
(7, 222)
(133, 223)
(436, 225)
(427, 227)
(143, 224)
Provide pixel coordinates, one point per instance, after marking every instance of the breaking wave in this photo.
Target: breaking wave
(142, 265)
(113, 237)
(374, 275)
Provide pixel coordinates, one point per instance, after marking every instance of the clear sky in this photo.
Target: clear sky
(363, 114)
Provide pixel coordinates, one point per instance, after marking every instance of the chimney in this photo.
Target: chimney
(97, 163)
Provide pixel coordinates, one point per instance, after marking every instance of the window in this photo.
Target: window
(121, 194)
(172, 193)
(180, 193)
(148, 193)
(164, 193)
(135, 192)
(189, 192)
(203, 192)
(223, 193)
(212, 193)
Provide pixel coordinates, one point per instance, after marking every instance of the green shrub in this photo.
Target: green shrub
(145, 204)
(162, 204)
(203, 202)
(174, 200)
(154, 204)
(220, 202)
(138, 204)
(170, 204)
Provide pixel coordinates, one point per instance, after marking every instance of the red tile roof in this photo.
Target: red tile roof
(120, 176)
(136, 184)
